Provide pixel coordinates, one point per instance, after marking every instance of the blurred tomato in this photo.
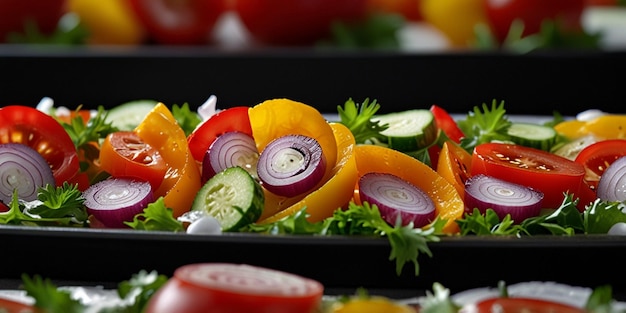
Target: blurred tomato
(501, 13)
(603, 2)
(179, 22)
(295, 22)
(45, 14)
(455, 19)
(108, 22)
(409, 9)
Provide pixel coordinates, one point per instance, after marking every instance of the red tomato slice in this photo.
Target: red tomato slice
(124, 154)
(296, 22)
(15, 14)
(446, 123)
(231, 119)
(11, 306)
(178, 22)
(596, 158)
(224, 287)
(40, 131)
(524, 305)
(549, 173)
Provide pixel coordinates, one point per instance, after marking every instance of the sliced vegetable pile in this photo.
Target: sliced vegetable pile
(281, 167)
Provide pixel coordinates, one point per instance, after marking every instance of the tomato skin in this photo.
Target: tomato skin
(38, 130)
(549, 173)
(295, 22)
(596, 158)
(15, 13)
(125, 154)
(178, 22)
(409, 9)
(520, 305)
(501, 13)
(231, 288)
(231, 119)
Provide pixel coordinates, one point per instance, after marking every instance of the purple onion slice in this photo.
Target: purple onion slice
(397, 199)
(230, 149)
(23, 169)
(117, 200)
(487, 192)
(612, 183)
(291, 165)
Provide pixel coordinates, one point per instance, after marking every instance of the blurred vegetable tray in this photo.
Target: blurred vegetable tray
(532, 84)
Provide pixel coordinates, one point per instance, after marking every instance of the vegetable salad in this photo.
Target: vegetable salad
(290, 170)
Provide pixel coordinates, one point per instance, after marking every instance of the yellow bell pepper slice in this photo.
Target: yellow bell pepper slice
(336, 192)
(448, 202)
(610, 126)
(182, 181)
(275, 118)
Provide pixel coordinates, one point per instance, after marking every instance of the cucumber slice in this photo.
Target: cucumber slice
(233, 197)
(128, 115)
(409, 130)
(532, 135)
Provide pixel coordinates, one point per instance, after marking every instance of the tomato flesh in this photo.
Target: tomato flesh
(524, 305)
(596, 158)
(31, 127)
(549, 173)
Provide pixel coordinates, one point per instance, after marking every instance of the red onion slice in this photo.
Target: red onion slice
(612, 183)
(230, 149)
(117, 200)
(397, 199)
(291, 165)
(487, 192)
(23, 169)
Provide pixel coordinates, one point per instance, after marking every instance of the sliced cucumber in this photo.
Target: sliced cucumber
(233, 197)
(572, 148)
(128, 115)
(532, 135)
(409, 130)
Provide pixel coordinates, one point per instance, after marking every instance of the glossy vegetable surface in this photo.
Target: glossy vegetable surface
(551, 174)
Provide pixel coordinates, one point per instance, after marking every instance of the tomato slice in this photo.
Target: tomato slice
(549, 173)
(224, 287)
(40, 131)
(446, 123)
(12, 306)
(231, 119)
(125, 154)
(596, 158)
(178, 22)
(524, 305)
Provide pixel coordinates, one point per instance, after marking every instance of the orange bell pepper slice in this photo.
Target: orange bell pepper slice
(454, 165)
(448, 203)
(337, 191)
(182, 179)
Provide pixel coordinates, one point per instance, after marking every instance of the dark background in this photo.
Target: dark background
(537, 83)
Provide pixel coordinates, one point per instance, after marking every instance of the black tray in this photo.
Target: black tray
(533, 84)
(537, 83)
(339, 262)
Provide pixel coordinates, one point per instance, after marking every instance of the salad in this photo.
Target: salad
(282, 167)
(230, 287)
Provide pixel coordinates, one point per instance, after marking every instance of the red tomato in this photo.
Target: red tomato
(231, 119)
(40, 131)
(15, 14)
(178, 22)
(409, 9)
(296, 22)
(501, 13)
(124, 154)
(446, 123)
(234, 288)
(549, 173)
(519, 305)
(596, 158)
(11, 306)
